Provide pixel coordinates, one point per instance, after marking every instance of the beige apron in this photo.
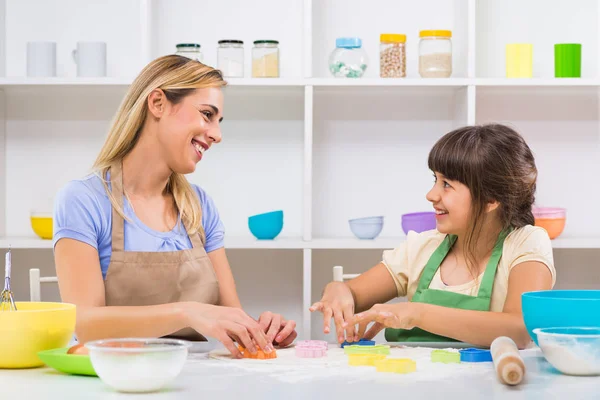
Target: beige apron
(136, 278)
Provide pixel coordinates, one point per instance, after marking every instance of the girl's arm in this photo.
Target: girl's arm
(476, 327)
(482, 327)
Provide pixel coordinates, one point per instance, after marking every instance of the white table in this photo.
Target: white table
(209, 379)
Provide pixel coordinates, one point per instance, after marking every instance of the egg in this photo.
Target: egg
(78, 349)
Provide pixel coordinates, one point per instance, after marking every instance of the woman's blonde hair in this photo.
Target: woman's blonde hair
(177, 77)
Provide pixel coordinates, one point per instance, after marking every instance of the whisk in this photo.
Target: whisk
(8, 303)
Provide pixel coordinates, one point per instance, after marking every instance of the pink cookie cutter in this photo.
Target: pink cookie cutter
(312, 343)
(311, 351)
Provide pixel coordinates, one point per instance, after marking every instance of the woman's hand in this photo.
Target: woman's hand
(228, 325)
(279, 331)
(337, 302)
(399, 316)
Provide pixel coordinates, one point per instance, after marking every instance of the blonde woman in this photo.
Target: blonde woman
(138, 248)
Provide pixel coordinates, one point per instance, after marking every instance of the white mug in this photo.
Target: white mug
(41, 59)
(90, 58)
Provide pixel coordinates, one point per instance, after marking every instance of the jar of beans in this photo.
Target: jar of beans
(392, 55)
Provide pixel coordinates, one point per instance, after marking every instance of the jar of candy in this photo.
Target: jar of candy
(435, 54)
(189, 50)
(348, 60)
(230, 58)
(265, 59)
(392, 55)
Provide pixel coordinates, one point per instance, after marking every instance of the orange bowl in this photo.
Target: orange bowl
(553, 220)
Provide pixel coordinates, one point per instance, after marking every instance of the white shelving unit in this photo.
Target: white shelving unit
(322, 149)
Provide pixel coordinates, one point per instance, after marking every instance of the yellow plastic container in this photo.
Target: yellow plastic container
(34, 327)
(519, 60)
(41, 223)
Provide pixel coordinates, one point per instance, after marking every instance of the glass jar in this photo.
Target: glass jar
(435, 54)
(392, 55)
(348, 60)
(189, 50)
(265, 59)
(230, 58)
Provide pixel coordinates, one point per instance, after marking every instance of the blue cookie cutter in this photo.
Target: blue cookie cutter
(475, 355)
(361, 342)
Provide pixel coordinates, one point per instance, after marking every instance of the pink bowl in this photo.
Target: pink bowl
(549, 212)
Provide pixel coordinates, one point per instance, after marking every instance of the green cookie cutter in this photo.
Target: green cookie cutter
(445, 356)
(376, 349)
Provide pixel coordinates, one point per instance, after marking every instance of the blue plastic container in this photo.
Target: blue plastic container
(560, 309)
(266, 226)
(366, 228)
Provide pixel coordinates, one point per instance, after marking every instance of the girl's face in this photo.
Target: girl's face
(452, 203)
(188, 129)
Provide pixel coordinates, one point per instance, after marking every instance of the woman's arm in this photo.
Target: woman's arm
(80, 282)
(227, 290)
(475, 327)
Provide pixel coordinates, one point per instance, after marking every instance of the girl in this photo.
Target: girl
(138, 249)
(465, 278)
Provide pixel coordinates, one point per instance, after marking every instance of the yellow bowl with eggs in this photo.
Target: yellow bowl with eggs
(34, 327)
(42, 225)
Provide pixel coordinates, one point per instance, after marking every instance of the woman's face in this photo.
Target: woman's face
(188, 129)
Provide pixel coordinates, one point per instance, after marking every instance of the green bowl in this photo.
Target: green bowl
(75, 364)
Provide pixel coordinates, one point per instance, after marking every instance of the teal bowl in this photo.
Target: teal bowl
(266, 226)
(560, 309)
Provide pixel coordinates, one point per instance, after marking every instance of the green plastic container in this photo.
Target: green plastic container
(567, 60)
(76, 364)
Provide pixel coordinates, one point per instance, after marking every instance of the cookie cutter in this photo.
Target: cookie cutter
(361, 342)
(376, 349)
(445, 356)
(475, 355)
(364, 360)
(312, 343)
(259, 355)
(396, 365)
(310, 351)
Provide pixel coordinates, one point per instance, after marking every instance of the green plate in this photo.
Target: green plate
(76, 364)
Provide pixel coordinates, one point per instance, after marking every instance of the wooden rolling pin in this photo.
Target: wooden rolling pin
(508, 363)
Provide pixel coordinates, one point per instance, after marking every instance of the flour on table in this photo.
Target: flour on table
(289, 368)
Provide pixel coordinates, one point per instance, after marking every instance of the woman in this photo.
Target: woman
(139, 249)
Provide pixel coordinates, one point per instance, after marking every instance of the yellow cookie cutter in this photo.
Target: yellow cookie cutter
(376, 349)
(396, 365)
(367, 360)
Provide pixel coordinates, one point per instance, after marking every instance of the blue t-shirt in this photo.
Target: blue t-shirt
(83, 211)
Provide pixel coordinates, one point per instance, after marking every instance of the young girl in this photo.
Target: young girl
(464, 279)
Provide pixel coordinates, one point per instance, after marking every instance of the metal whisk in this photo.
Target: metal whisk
(8, 303)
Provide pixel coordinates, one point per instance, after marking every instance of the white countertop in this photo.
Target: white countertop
(204, 378)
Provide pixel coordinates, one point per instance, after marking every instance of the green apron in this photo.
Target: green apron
(445, 298)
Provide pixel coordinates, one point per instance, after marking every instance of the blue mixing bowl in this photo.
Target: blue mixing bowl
(266, 226)
(366, 228)
(560, 309)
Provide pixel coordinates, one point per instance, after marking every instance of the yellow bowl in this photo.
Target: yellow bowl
(34, 327)
(42, 226)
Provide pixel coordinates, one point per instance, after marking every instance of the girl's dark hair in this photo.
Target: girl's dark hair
(495, 163)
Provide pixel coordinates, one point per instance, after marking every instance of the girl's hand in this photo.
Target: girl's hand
(337, 302)
(228, 325)
(277, 329)
(399, 316)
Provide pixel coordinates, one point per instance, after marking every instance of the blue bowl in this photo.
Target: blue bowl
(266, 226)
(366, 228)
(560, 309)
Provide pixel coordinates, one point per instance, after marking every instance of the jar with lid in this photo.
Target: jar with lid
(349, 59)
(230, 58)
(265, 59)
(189, 50)
(435, 54)
(392, 55)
